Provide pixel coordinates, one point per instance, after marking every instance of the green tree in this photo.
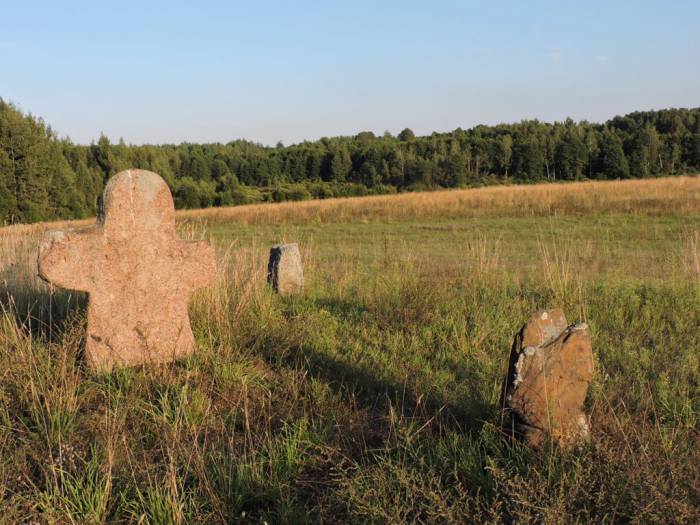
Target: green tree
(406, 135)
(504, 153)
(187, 193)
(419, 172)
(591, 142)
(453, 171)
(340, 164)
(570, 155)
(528, 158)
(612, 157)
(8, 204)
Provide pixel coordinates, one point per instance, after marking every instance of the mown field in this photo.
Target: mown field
(374, 396)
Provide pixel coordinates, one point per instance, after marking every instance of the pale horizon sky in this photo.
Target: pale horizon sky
(269, 71)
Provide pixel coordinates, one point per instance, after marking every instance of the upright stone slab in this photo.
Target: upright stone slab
(138, 273)
(551, 367)
(284, 270)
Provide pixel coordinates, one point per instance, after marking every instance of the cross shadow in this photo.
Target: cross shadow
(364, 387)
(36, 308)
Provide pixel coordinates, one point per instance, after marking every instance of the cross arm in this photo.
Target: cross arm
(66, 257)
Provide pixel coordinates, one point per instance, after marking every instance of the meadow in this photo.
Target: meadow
(373, 397)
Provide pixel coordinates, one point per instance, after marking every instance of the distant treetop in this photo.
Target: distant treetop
(406, 135)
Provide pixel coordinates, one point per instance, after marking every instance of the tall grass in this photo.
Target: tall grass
(372, 397)
(649, 197)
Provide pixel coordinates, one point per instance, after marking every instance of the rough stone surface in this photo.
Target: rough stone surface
(138, 273)
(284, 270)
(551, 367)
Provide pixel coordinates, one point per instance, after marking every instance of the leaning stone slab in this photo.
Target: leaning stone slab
(285, 272)
(551, 367)
(138, 274)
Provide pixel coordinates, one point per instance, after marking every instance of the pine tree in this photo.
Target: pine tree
(340, 164)
(570, 155)
(612, 157)
(8, 204)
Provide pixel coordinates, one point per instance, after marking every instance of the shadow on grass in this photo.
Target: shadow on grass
(368, 390)
(38, 309)
(344, 308)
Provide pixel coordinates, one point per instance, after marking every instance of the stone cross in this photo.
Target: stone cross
(138, 273)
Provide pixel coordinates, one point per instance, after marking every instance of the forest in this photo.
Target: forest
(45, 177)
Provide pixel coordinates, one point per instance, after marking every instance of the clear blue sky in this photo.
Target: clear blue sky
(155, 72)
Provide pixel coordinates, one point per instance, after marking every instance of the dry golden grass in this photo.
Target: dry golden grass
(650, 197)
(674, 195)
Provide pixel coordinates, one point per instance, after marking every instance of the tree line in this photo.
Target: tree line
(44, 177)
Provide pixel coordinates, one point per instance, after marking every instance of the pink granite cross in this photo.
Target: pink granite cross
(139, 275)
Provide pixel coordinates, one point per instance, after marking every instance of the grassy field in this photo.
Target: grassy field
(373, 397)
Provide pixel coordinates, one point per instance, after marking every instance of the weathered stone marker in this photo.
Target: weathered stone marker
(138, 273)
(285, 272)
(551, 367)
